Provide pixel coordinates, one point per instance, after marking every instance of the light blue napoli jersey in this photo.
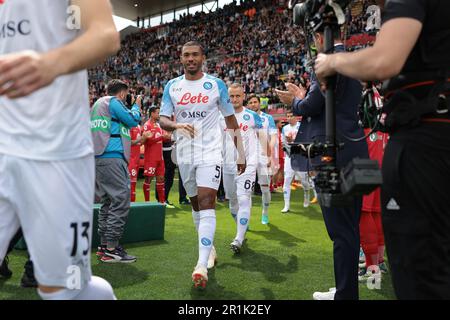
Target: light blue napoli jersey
(268, 123)
(269, 127)
(200, 103)
(289, 131)
(249, 123)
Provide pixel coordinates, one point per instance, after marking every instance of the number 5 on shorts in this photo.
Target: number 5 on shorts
(218, 170)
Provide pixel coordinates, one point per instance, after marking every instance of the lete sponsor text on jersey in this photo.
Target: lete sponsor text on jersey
(188, 98)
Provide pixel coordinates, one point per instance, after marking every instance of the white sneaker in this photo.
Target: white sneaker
(236, 246)
(212, 260)
(306, 203)
(372, 274)
(306, 197)
(200, 276)
(285, 210)
(325, 295)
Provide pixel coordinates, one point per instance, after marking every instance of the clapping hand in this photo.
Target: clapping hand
(293, 91)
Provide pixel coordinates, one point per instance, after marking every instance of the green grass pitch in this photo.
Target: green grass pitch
(287, 260)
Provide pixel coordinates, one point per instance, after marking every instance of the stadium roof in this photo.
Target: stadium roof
(145, 8)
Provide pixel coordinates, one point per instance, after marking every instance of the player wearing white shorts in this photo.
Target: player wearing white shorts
(46, 151)
(289, 133)
(267, 155)
(238, 188)
(197, 100)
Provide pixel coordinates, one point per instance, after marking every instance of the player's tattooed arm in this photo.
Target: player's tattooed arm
(233, 125)
(25, 72)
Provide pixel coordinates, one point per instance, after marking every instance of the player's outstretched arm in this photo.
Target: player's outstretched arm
(169, 125)
(25, 72)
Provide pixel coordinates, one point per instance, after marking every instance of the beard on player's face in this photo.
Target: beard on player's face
(253, 105)
(192, 62)
(192, 68)
(192, 58)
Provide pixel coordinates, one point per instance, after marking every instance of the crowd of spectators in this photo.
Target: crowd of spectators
(254, 43)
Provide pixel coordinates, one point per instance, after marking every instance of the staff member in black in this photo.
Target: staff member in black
(412, 48)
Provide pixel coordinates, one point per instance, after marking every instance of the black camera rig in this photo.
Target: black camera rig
(361, 176)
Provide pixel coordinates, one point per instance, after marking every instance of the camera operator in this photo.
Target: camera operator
(413, 43)
(342, 223)
(111, 121)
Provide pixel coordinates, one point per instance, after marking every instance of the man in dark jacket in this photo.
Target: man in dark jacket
(412, 50)
(342, 223)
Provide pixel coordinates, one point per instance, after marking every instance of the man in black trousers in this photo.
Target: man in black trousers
(170, 173)
(412, 50)
(342, 223)
(28, 280)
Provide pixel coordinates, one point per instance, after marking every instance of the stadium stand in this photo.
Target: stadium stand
(253, 43)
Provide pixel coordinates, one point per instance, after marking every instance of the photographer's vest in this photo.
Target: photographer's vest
(101, 128)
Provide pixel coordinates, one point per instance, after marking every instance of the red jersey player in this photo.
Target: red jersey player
(152, 138)
(371, 231)
(133, 165)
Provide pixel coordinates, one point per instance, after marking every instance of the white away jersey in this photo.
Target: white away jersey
(54, 122)
(268, 124)
(249, 123)
(199, 103)
(289, 131)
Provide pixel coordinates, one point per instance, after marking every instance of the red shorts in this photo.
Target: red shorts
(371, 202)
(154, 168)
(133, 168)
